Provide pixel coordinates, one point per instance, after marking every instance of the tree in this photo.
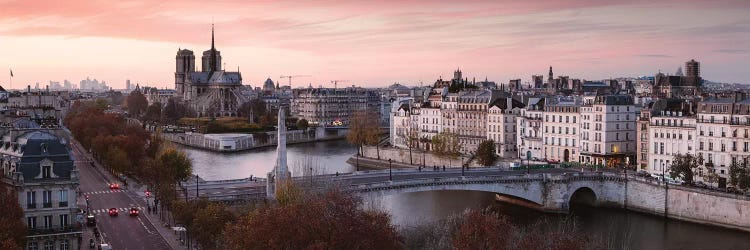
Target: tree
(209, 223)
(684, 166)
(739, 175)
(153, 112)
(327, 220)
(411, 139)
(12, 228)
(174, 110)
(302, 124)
(484, 230)
(446, 144)
(137, 103)
(363, 130)
(175, 165)
(486, 153)
(118, 160)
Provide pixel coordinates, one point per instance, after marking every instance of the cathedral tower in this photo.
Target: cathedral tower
(211, 60)
(185, 64)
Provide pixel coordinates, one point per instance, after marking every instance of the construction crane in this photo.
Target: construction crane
(335, 82)
(294, 76)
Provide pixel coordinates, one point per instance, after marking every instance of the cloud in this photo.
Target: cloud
(730, 51)
(654, 56)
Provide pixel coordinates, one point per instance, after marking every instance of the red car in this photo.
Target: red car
(134, 212)
(114, 186)
(113, 212)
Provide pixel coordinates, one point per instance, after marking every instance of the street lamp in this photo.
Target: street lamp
(390, 170)
(197, 188)
(462, 165)
(357, 166)
(311, 176)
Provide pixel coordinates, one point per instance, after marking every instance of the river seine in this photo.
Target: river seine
(622, 229)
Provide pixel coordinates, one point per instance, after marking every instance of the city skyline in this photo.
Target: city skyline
(373, 44)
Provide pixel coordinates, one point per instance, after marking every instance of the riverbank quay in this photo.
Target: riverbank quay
(243, 142)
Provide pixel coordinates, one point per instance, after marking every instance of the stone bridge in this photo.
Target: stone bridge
(550, 192)
(547, 189)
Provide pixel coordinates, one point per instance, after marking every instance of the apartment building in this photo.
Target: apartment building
(672, 131)
(471, 118)
(561, 129)
(531, 130)
(723, 125)
(38, 165)
(332, 106)
(501, 125)
(608, 130)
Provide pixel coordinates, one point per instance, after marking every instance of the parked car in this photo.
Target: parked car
(700, 184)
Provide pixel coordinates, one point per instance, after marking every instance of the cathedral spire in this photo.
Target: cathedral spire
(212, 37)
(214, 63)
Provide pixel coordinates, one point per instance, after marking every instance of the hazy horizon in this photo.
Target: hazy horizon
(372, 43)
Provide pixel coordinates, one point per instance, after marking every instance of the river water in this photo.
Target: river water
(620, 228)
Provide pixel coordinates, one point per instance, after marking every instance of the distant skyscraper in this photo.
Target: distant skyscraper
(679, 72)
(127, 84)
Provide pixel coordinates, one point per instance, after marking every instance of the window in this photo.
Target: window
(31, 196)
(31, 222)
(64, 245)
(46, 172)
(63, 220)
(49, 245)
(47, 221)
(47, 199)
(63, 198)
(32, 245)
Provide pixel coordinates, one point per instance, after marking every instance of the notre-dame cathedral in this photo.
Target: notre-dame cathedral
(211, 92)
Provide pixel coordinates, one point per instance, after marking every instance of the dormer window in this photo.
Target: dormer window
(46, 172)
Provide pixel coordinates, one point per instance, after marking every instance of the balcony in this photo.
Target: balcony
(63, 204)
(31, 205)
(47, 205)
(656, 124)
(54, 230)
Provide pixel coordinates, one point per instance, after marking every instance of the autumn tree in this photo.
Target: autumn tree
(137, 103)
(174, 110)
(484, 230)
(302, 124)
(446, 144)
(411, 140)
(153, 113)
(486, 153)
(684, 166)
(739, 175)
(326, 220)
(208, 224)
(12, 228)
(364, 130)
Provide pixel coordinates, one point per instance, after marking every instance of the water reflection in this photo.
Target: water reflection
(324, 157)
(616, 228)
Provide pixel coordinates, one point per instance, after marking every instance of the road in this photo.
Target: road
(123, 231)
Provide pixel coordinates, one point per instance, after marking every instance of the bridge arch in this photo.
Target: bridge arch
(583, 195)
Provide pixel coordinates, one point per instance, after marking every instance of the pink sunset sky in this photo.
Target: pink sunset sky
(372, 43)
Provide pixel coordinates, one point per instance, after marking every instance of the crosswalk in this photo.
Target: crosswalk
(103, 192)
(120, 209)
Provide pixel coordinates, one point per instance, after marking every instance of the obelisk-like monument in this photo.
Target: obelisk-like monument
(280, 174)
